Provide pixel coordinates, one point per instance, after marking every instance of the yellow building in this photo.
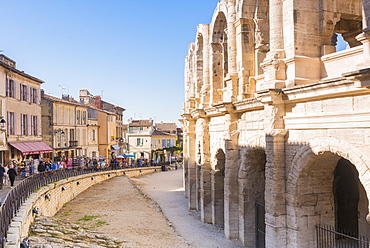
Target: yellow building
(20, 115)
(107, 134)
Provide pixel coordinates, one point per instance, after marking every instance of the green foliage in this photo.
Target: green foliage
(88, 217)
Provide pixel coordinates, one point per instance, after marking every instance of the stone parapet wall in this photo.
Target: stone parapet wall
(48, 200)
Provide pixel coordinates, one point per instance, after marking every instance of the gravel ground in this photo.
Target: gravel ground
(150, 211)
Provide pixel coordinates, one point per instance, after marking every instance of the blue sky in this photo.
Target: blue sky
(131, 52)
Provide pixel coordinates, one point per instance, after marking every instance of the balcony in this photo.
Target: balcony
(73, 143)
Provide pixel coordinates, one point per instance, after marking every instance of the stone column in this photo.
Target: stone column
(245, 56)
(231, 80)
(205, 91)
(364, 37)
(231, 207)
(231, 36)
(216, 77)
(275, 206)
(191, 172)
(274, 65)
(205, 171)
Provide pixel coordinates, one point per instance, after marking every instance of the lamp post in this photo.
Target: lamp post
(2, 129)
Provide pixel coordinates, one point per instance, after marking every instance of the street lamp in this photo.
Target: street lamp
(2, 123)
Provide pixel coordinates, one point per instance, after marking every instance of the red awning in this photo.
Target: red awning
(32, 147)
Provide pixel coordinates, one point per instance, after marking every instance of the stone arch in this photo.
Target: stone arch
(202, 42)
(199, 67)
(258, 11)
(311, 198)
(343, 17)
(218, 52)
(218, 188)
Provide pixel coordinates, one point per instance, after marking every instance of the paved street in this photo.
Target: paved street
(6, 189)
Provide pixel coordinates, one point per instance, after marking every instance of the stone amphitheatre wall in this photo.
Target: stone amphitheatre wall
(48, 200)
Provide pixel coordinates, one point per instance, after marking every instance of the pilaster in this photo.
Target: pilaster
(231, 204)
(275, 206)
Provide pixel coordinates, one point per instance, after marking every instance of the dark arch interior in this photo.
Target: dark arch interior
(346, 192)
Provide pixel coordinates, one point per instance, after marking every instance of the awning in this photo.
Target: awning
(116, 147)
(31, 147)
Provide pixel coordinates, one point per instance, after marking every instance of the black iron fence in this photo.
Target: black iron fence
(18, 195)
(328, 237)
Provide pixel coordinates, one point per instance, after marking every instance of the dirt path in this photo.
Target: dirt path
(117, 208)
(149, 211)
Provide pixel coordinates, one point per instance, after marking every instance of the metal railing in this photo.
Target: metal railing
(18, 195)
(328, 237)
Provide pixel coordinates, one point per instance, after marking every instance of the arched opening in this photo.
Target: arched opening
(328, 193)
(219, 57)
(346, 197)
(252, 198)
(342, 22)
(199, 69)
(217, 181)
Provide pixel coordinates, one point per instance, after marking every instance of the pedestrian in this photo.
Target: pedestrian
(12, 174)
(5, 177)
(2, 170)
(41, 168)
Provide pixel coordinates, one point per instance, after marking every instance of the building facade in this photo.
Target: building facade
(139, 138)
(20, 117)
(276, 124)
(64, 127)
(116, 142)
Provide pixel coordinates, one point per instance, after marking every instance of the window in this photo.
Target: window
(139, 142)
(78, 117)
(24, 124)
(93, 135)
(154, 143)
(130, 128)
(11, 122)
(24, 92)
(10, 88)
(34, 125)
(141, 128)
(34, 95)
(83, 117)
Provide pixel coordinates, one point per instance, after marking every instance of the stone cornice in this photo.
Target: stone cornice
(248, 104)
(198, 113)
(323, 89)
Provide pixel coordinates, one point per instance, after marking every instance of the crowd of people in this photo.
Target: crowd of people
(8, 173)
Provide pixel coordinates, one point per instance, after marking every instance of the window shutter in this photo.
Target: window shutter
(31, 95)
(37, 96)
(14, 123)
(22, 122)
(28, 98)
(36, 125)
(8, 121)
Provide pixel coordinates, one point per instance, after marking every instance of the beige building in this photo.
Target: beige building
(20, 117)
(162, 146)
(64, 127)
(276, 121)
(139, 138)
(116, 142)
(92, 133)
